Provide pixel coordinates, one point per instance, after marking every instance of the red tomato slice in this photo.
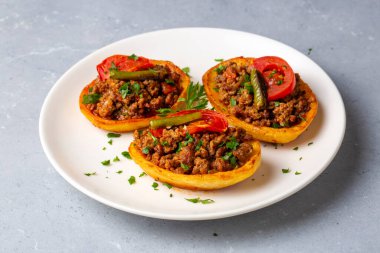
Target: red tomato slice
(157, 132)
(123, 63)
(211, 121)
(278, 75)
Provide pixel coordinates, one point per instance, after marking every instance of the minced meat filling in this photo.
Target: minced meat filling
(238, 98)
(200, 153)
(134, 99)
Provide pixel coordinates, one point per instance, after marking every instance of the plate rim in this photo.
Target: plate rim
(210, 216)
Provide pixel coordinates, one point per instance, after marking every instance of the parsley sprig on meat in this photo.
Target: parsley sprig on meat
(195, 99)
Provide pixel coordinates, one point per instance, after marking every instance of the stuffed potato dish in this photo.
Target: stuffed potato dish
(262, 96)
(196, 150)
(129, 90)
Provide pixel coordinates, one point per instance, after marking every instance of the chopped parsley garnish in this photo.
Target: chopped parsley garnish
(219, 60)
(146, 150)
(310, 143)
(233, 102)
(110, 142)
(136, 88)
(165, 143)
(220, 69)
(113, 135)
(119, 171)
(199, 145)
(276, 103)
(113, 67)
(155, 141)
(233, 161)
(184, 166)
(132, 180)
(275, 125)
(179, 147)
(124, 90)
(189, 139)
(295, 148)
(89, 174)
(171, 195)
(106, 162)
(232, 144)
(104, 148)
(126, 154)
(300, 158)
(91, 98)
(248, 87)
(133, 57)
(279, 82)
(142, 174)
(116, 159)
(186, 70)
(227, 156)
(285, 171)
(155, 185)
(90, 89)
(297, 173)
(247, 78)
(169, 81)
(199, 200)
(168, 185)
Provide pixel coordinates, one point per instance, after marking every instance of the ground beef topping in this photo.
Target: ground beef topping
(201, 153)
(235, 94)
(134, 99)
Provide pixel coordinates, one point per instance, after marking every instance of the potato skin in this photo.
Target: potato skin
(267, 134)
(131, 124)
(200, 181)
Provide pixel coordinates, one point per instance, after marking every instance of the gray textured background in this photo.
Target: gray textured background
(40, 211)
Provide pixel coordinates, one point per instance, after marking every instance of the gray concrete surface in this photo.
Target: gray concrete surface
(41, 212)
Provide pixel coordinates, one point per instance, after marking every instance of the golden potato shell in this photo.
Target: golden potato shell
(200, 181)
(131, 124)
(268, 134)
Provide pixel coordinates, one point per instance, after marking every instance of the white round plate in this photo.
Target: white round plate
(75, 147)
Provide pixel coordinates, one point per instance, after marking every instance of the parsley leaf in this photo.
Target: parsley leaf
(132, 180)
(295, 148)
(189, 139)
(276, 103)
(199, 200)
(113, 135)
(184, 166)
(133, 57)
(113, 67)
(220, 69)
(286, 171)
(162, 112)
(136, 88)
(106, 162)
(168, 185)
(297, 173)
(155, 141)
(275, 125)
(124, 90)
(110, 142)
(199, 145)
(155, 185)
(216, 89)
(179, 147)
(233, 102)
(219, 60)
(169, 81)
(90, 174)
(186, 70)
(146, 150)
(91, 98)
(232, 144)
(116, 159)
(126, 154)
(119, 171)
(142, 174)
(310, 143)
(248, 87)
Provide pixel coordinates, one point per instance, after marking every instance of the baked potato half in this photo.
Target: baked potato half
(199, 181)
(131, 124)
(261, 129)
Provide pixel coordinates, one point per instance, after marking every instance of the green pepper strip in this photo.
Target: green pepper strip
(138, 75)
(259, 96)
(176, 120)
